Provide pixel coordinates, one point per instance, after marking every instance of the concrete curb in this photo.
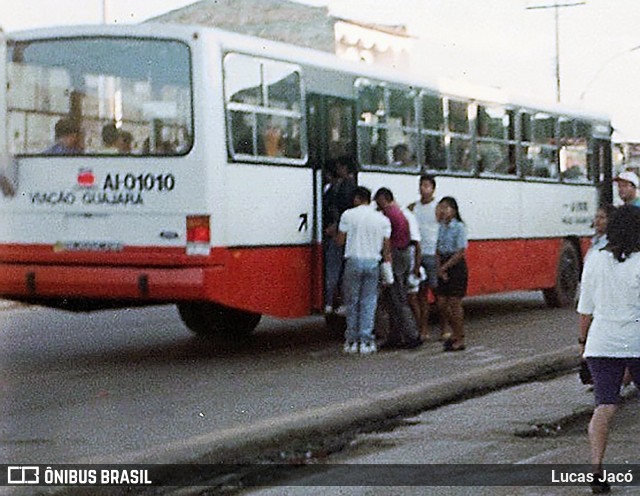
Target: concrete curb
(10, 305)
(241, 444)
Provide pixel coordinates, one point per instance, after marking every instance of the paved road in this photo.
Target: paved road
(133, 385)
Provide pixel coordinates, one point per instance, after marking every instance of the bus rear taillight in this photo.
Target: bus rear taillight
(198, 235)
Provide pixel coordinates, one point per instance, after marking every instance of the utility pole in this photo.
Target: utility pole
(557, 6)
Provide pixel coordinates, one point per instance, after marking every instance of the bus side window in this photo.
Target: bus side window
(433, 132)
(402, 142)
(264, 109)
(541, 156)
(387, 126)
(495, 150)
(574, 136)
(340, 129)
(242, 132)
(372, 135)
(459, 136)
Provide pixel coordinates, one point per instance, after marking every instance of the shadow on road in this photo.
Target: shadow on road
(156, 335)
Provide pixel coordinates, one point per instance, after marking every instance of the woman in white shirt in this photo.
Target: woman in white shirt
(609, 309)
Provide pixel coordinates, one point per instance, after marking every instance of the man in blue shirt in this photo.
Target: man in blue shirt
(68, 137)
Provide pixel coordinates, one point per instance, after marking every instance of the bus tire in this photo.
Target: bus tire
(209, 319)
(565, 292)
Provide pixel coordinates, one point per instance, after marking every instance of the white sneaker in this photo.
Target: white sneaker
(341, 311)
(368, 348)
(627, 389)
(350, 347)
(328, 309)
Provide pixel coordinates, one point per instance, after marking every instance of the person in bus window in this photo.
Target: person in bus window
(609, 328)
(489, 153)
(490, 157)
(124, 142)
(274, 141)
(628, 183)
(402, 156)
(109, 136)
(68, 138)
(452, 271)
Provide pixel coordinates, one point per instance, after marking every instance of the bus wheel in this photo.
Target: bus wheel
(213, 320)
(565, 292)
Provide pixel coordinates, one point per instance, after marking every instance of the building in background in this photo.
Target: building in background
(373, 43)
(303, 25)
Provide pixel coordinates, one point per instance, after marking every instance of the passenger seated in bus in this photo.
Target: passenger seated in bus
(116, 140)
(541, 172)
(161, 148)
(182, 142)
(273, 140)
(109, 137)
(124, 142)
(542, 166)
(69, 139)
(490, 157)
(573, 172)
(402, 156)
(378, 148)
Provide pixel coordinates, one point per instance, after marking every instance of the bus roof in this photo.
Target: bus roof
(312, 58)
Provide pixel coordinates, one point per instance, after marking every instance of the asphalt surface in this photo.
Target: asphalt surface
(134, 385)
(472, 379)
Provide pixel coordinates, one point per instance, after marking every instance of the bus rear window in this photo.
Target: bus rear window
(99, 96)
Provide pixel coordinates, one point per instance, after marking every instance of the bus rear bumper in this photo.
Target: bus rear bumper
(33, 282)
(277, 281)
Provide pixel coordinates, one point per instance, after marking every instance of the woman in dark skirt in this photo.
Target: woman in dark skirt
(452, 272)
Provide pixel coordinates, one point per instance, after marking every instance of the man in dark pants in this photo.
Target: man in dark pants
(337, 198)
(403, 331)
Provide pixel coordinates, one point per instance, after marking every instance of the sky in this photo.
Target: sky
(500, 43)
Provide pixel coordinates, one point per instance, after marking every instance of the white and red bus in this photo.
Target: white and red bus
(217, 204)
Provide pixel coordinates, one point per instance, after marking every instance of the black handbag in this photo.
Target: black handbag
(585, 373)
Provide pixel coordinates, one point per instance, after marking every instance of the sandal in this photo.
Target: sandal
(450, 345)
(447, 345)
(460, 347)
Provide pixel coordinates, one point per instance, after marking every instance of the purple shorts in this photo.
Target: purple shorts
(607, 376)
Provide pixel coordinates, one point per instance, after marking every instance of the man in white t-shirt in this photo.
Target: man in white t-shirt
(424, 211)
(365, 233)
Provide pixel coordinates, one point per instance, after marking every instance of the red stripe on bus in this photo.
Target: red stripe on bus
(271, 280)
(509, 265)
(277, 281)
